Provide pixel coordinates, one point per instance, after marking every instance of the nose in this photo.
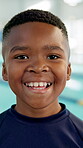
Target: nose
(38, 66)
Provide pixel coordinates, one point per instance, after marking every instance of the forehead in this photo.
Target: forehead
(33, 29)
(36, 33)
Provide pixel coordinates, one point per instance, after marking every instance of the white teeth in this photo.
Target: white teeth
(41, 84)
(45, 84)
(26, 84)
(30, 84)
(39, 88)
(36, 84)
(49, 84)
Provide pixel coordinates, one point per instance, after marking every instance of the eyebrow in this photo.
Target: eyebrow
(46, 47)
(52, 47)
(19, 48)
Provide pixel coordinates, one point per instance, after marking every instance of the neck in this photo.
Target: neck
(49, 110)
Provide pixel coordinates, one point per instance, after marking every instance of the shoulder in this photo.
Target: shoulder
(3, 113)
(2, 116)
(78, 124)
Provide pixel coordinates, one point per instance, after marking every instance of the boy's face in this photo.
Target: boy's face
(36, 64)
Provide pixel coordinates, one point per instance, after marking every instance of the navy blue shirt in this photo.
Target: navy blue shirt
(62, 130)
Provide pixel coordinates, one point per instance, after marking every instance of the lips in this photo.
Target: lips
(38, 85)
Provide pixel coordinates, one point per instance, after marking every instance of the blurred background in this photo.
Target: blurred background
(71, 13)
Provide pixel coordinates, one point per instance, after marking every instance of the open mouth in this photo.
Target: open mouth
(38, 85)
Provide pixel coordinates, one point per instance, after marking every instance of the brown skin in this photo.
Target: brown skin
(37, 42)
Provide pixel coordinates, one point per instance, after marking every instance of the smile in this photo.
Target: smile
(38, 85)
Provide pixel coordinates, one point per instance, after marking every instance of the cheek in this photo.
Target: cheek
(14, 77)
(60, 80)
(14, 72)
(61, 73)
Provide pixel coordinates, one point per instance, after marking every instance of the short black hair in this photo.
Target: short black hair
(34, 15)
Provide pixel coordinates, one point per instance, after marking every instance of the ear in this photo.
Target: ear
(4, 72)
(68, 71)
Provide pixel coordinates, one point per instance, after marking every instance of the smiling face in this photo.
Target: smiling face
(36, 66)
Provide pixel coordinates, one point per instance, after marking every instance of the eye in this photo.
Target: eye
(51, 57)
(21, 57)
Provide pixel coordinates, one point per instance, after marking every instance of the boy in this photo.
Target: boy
(36, 65)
